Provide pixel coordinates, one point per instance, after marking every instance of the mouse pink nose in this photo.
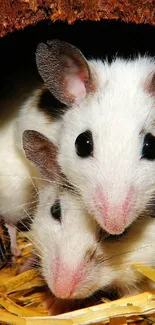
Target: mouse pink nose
(65, 280)
(113, 218)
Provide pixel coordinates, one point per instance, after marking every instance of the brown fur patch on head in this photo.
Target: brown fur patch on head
(35, 97)
(149, 84)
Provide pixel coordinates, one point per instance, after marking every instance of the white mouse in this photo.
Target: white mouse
(77, 257)
(100, 138)
(76, 260)
(106, 146)
(17, 192)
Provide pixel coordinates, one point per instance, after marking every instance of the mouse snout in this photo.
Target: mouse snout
(66, 280)
(113, 217)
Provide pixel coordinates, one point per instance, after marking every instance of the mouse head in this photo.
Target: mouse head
(107, 140)
(106, 145)
(66, 238)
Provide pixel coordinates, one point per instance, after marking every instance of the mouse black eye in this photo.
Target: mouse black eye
(84, 144)
(56, 210)
(148, 151)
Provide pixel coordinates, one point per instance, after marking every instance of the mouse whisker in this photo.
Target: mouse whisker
(19, 206)
(125, 253)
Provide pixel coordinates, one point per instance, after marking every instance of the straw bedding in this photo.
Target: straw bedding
(23, 297)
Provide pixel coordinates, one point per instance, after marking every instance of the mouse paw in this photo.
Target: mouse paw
(12, 230)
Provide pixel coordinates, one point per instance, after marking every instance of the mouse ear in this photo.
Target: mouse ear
(150, 83)
(64, 70)
(42, 152)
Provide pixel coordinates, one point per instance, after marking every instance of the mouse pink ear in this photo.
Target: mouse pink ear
(64, 70)
(42, 152)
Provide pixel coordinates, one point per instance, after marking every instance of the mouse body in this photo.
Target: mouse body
(19, 179)
(17, 190)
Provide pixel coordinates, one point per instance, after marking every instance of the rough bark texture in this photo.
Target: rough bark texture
(17, 14)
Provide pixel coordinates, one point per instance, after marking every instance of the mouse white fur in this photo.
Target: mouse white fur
(77, 258)
(19, 179)
(16, 187)
(115, 103)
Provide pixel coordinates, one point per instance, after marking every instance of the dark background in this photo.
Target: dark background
(95, 39)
